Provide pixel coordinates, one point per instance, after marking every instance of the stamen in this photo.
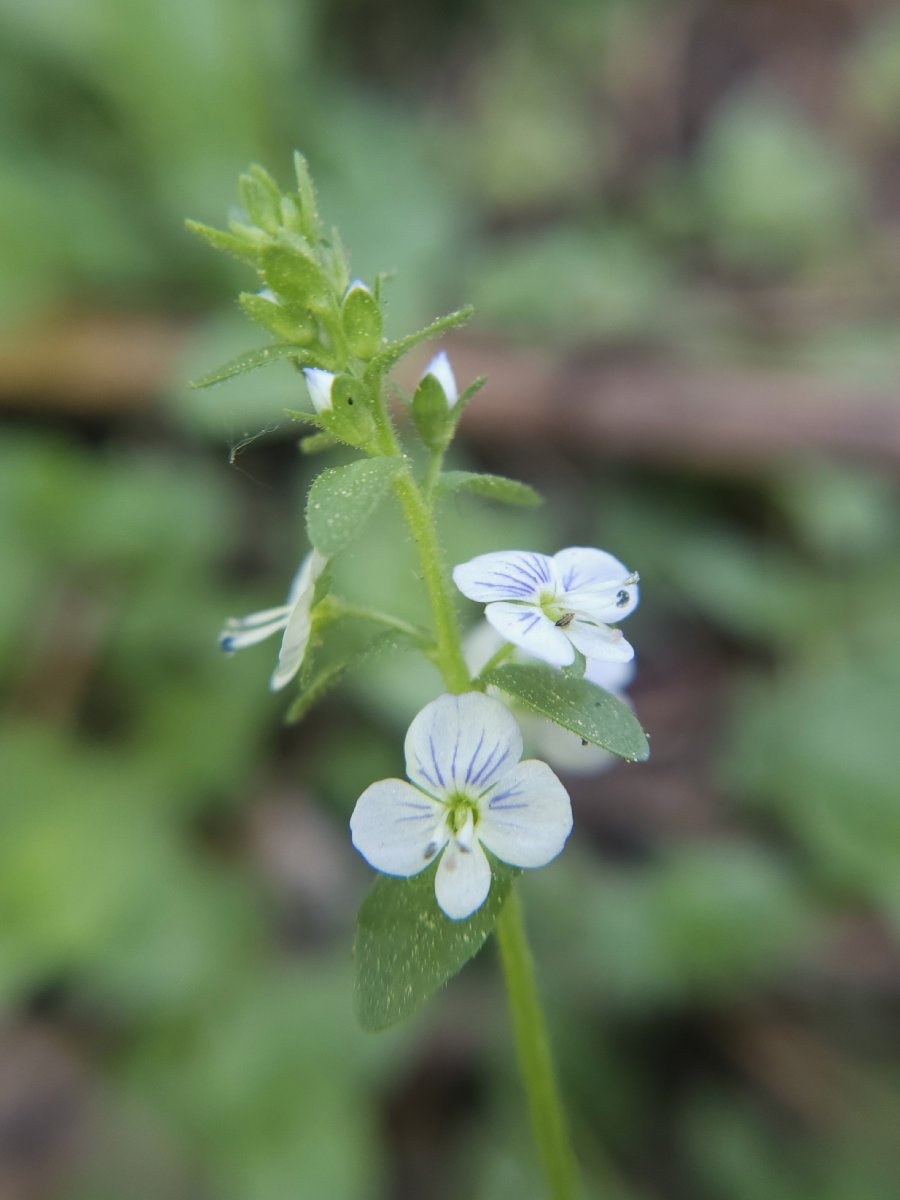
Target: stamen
(237, 638)
(258, 618)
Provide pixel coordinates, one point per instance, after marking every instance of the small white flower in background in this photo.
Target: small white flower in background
(318, 384)
(294, 617)
(551, 607)
(440, 369)
(469, 790)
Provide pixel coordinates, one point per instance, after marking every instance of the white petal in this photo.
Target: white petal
(582, 566)
(528, 818)
(357, 284)
(299, 623)
(508, 575)
(440, 368)
(480, 645)
(607, 605)
(461, 744)
(527, 627)
(306, 575)
(234, 637)
(599, 641)
(318, 383)
(396, 829)
(615, 677)
(293, 647)
(566, 751)
(463, 880)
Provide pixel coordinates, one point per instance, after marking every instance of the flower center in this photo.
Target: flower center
(461, 819)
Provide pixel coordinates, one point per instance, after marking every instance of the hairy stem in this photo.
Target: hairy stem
(548, 1121)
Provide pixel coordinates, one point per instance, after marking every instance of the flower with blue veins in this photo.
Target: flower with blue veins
(551, 607)
(469, 792)
(294, 617)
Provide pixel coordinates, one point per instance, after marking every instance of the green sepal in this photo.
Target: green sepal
(587, 710)
(342, 499)
(432, 416)
(260, 196)
(465, 397)
(321, 681)
(493, 487)
(252, 361)
(361, 319)
(349, 419)
(315, 443)
(406, 947)
(292, 322)
(238, 246)
(395, 350)
(293, 275)
(306, 194)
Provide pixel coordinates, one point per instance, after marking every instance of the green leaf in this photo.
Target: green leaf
(240, 248)
(261, 198)
(406, 947)
(289, 321)
(494, 487)
(293, 275)
(343, 498)
(329, 676)
(251, 361)
(585, 709)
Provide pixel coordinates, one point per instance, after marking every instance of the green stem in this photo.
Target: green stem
(420, 518)
(548, 1121)
(340, 608)
(496, 659)
(532, 1045)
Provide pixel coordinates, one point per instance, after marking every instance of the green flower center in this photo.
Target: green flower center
(459, 807)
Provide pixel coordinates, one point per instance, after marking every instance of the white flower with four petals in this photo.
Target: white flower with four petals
(469, 793)
(294, 617)
(551, 607)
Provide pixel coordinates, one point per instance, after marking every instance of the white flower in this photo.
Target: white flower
(318, 384)
(440, 369)
(294, 617)
(357, 284)
(550, 607)
(469, 790)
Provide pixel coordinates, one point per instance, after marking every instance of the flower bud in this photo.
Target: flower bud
(319, 384)
(361, 319)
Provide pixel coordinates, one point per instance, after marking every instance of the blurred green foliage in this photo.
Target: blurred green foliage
(600, 174)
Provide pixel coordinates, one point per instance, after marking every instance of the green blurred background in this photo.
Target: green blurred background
(680, 224)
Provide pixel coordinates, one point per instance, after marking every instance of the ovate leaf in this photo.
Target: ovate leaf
(585, 709)
(343, 498)
(494, 487)
(406, 947)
